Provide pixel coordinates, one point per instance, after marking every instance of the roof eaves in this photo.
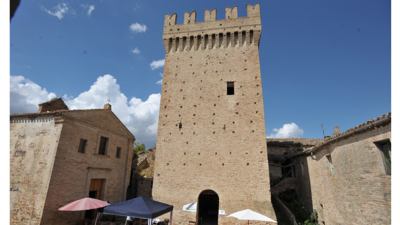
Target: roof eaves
(377, 122)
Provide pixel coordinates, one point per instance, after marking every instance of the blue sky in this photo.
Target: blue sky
(322, 62)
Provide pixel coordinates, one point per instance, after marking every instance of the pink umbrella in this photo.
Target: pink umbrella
(84, 204)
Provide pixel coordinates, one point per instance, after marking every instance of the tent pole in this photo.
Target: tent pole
(126, 221)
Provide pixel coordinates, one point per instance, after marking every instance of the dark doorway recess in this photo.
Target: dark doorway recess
(207, 208)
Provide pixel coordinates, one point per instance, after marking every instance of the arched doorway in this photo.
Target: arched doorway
(207, 208)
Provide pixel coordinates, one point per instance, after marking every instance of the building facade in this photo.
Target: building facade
(341, 179)
(211, 138)
(350, 175)
(60, 155)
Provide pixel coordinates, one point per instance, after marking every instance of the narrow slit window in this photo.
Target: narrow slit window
(169, 44)
(235, 38)
(82, 145)
(221, 36)
(191, 41)
(184, 43)
(230, 88)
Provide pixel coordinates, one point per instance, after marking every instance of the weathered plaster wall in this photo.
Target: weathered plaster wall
(33, 146)
(73, 170)
(354, 189)
(221, 143)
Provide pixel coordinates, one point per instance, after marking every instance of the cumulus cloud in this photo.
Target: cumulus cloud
(156, 64)
(140, 116)
(138, 28)
(58, 11)
(25, 95)
(288, 130)
(135, 51)
(89, 9)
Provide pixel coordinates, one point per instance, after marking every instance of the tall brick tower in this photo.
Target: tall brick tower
(211, 146)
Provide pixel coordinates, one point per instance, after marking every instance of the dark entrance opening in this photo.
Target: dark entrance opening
(96, 190)
(207, 208)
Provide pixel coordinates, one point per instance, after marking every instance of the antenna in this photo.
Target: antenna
(323, 130)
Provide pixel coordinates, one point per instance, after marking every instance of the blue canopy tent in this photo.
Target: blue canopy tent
(139, 207)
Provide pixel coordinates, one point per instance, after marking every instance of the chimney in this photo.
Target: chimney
(336, 131)
(107, 106)
(54, 104)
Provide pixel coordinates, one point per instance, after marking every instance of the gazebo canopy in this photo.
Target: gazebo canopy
(140, 207)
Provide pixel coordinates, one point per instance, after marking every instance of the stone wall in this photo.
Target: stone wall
(206, 138)
(33, 146)
(73, 170)
(144, 174)
(351, 187)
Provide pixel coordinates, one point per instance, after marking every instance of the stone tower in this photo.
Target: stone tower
(211, 145)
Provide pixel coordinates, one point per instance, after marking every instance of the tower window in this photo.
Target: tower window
(230, 88)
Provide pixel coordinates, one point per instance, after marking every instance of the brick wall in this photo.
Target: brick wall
(33, 146)
(73, 171)
(206, 138)
(354, 188)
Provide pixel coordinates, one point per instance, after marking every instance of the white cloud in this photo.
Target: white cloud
(288, 130)
(140, 116)
(88, 8)
(58, 11)
(25, 95)
(138, 28)
(157, 64)
(159, 82)
(135, 51)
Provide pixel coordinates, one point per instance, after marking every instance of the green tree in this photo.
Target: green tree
(139, 148)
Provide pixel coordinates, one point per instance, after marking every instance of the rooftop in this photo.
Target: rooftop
(382, 120)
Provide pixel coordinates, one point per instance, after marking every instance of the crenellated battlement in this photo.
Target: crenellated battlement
(233, 31)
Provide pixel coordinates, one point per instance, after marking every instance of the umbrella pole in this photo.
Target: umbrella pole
(126, 221)
(170, 218)
(97, 217)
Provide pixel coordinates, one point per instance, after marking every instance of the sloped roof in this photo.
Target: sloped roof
(382, 120)
(86, 115)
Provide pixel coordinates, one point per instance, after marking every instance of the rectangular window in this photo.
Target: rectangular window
(118, 153)
(230, 88)
(386, 152)
(82, 145)
(103, 145)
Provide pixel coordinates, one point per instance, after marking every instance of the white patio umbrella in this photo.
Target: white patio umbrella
(192, 207)
(248, 215)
